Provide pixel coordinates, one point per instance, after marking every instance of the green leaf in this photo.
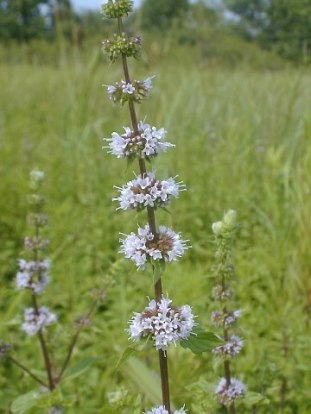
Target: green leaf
(80, 367)
(254, 398)
(24, 402)
(166, 210)
(201, 341)
(125, 356)
(146, 380)
(129, 351)
(159, 268)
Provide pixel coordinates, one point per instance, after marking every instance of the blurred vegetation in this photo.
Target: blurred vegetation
(282, 27)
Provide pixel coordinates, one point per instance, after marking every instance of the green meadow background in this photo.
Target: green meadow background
(242, 129)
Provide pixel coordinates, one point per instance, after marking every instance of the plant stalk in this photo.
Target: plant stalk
(153, 229)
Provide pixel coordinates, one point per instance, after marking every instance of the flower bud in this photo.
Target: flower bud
(218, 228)
(230, 219)
(117, 8)
(36, 179)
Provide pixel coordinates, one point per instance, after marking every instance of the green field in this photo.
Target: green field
(242, 141)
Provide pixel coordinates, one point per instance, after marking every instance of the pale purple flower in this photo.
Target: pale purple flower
(128, 88)
(35, 243)
(162, 410)
(141, 247)
(34, 321)
(221, 318)
(4, 349)
(227, 394)
(231, 348)
(166, 323)
(33, 275)
(147, 143)
(147, 191)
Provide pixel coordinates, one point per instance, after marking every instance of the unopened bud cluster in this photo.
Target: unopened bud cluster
(228, 388)
(122, 45)
(114, 9)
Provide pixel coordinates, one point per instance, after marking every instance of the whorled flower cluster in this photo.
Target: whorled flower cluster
(165, 323)
(122, 45)
(147, 143)
(4, 349)
(221, 318)
(162, 410)
(231, 348)
(142, 247)
(35, 243)
(36, 319)
(33, 275)
(147, 191)
(227, 394)
(117, 8)
(136, 91)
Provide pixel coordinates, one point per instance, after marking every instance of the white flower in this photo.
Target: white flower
(163, 410)
(227, 394)
(35, 321)
(148, 142)
(147, 191)
(165, 323)
(33, 275)
(141, 247)
(123, 91)
(231, 348)
(37, 175)
(128, 88)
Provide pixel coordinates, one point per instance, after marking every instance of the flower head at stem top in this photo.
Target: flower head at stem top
(114, 9)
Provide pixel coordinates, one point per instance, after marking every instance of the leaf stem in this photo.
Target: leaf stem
(73, 343)
(25, 369)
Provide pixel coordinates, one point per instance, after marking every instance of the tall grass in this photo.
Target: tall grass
(242, 141)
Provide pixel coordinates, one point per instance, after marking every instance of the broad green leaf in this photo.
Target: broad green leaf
(125, 356)
(201, 341)
(144, 379)
(80, 367)
(24, 402)
(129, 351)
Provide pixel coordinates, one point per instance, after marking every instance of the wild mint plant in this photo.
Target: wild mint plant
(33, 276)
(161, 320)
(229, 388)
